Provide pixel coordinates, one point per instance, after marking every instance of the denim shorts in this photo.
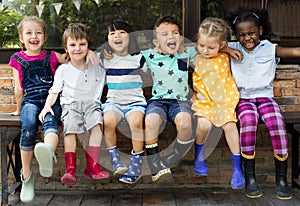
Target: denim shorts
(168, 109)
(30, 123)
(124, 110)
(81, 116)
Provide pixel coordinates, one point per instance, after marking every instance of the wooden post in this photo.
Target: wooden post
(191, 18)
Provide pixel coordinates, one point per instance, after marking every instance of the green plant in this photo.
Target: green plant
(9, 20)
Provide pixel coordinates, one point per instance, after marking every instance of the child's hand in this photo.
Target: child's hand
(92, 58)
(236, 54)
(106, 54)
(15, 113)
(45, 110)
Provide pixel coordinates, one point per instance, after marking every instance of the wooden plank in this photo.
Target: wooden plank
(99, 199)
(9, 120)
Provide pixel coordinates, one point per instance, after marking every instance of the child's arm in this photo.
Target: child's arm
(91, 57)
(47, 108)
(285, 52)
(18, 93)
(236, 54)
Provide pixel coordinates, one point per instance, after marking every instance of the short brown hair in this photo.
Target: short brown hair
(77, 31)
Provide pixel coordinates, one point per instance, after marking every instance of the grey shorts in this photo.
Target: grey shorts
(80, 116)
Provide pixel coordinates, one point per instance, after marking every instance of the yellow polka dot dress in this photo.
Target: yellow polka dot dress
(215, 92)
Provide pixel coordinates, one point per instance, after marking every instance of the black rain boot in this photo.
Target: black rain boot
(180, 149)
(252, 189)
(283, 190)
(158, 169)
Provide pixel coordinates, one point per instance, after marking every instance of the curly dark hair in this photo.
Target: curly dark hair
(259, 17)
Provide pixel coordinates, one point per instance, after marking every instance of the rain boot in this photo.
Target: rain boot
(180, 149)
(200, 167)
(134, 172)
(93, 169)
(27, 191)
(69, 178)
(252, 189)
(45, 156)
(237, 180)
(118, 166)
(283, 190)
(158, 169)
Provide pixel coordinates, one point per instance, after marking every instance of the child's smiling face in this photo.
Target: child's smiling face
(118, 40)
(248, 34)
(168, 38)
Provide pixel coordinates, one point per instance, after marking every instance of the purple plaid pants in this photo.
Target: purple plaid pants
(249, 111)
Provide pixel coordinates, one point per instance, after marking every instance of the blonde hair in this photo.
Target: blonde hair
(76, 31)
(215, 27)
(31, 18)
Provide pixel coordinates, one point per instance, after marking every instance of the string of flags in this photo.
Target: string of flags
(57, 6)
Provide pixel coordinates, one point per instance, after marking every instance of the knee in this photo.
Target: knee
(203, 125)
(152, 121)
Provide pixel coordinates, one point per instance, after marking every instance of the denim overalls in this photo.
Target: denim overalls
(37, 80)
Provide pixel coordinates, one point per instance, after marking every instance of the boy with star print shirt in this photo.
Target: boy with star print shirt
(170, 95)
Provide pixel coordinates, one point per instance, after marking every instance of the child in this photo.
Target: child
(215, 96)
(254, 77)
(81, 86)
(34, 69)
(170, 95)
(125, 99)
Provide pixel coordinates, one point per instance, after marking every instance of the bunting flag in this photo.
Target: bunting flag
(77, 4)
(39, 9)
(57, 7)
(97, 2)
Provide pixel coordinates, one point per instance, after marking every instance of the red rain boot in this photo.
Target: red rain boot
(69, 179)
(93, 169)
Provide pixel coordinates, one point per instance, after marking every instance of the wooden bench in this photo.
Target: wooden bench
(10, 151)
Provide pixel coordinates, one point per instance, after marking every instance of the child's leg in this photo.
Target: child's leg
(45, 152)
(29, 119)
(248, 116)
(203, 128)
(273, 118)
(69, 178)
(92, 152)
(153, 123)
(232, 138)
(135, 120)
(111, 120)
(183, 142)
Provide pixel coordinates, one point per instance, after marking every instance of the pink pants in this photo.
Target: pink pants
(249, 111)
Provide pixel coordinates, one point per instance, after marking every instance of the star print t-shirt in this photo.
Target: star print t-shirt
(170, 73)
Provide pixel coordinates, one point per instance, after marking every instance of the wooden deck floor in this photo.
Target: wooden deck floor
(170, 197)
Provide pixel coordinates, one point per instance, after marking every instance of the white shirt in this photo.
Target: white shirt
(78, 85)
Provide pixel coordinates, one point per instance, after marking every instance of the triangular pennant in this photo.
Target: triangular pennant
(39, 9)
(57, 7)
(97, 2)
(77, 4)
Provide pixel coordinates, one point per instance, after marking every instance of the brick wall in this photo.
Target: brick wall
(287, 93)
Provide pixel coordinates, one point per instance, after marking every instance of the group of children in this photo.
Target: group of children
(222, 87)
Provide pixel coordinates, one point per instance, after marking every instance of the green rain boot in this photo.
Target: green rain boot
(27, 191)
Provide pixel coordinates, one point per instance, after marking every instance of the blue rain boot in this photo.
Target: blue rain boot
(237, 180)
(134, 172)
(118, 166)
(200, 167)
